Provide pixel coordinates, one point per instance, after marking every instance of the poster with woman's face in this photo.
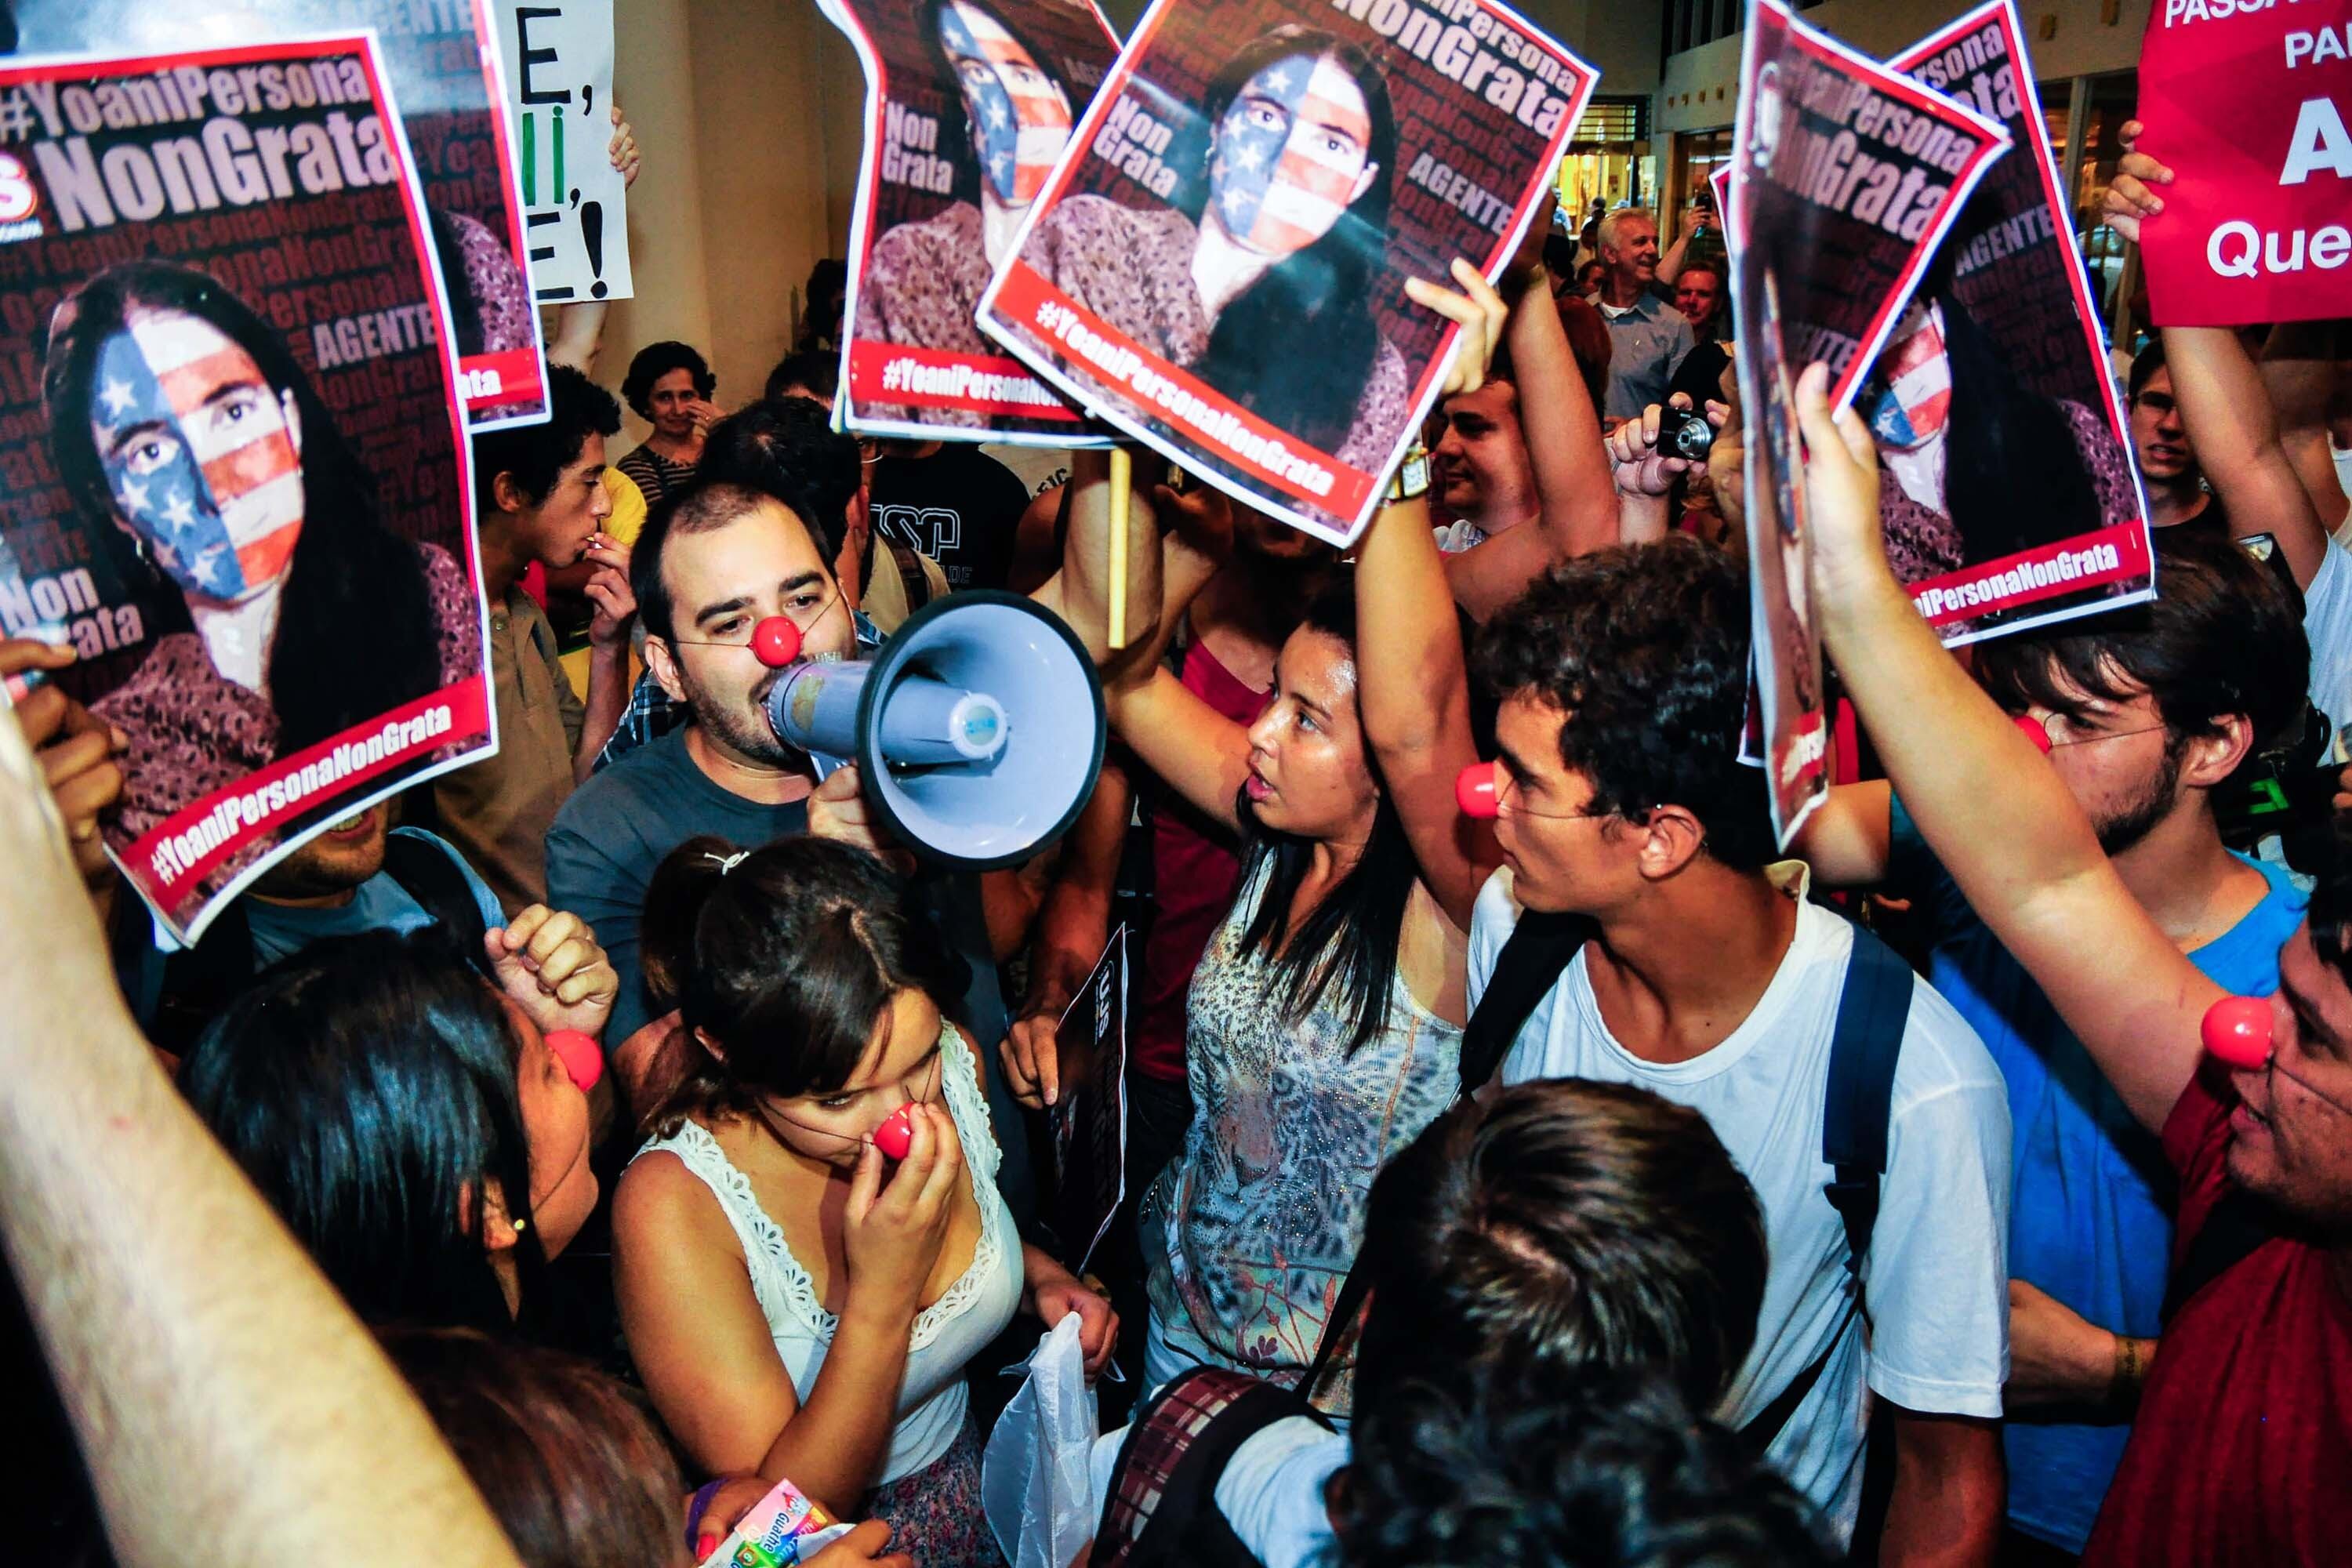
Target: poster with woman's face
(2011, 498)
(232, 464)
(444, 73)
(1217, 264)
(969, 103)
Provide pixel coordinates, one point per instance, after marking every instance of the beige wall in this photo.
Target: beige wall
(748, 112)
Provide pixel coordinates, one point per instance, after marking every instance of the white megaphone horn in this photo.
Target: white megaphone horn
(977, 728)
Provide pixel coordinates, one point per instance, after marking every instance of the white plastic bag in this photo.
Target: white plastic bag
(1032, 1477)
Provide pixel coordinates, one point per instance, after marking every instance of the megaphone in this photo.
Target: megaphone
(977, 728)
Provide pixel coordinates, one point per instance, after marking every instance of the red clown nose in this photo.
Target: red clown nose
(776, 642)
(582, 1062)
(2035, 732)
(1474, 792)
(897, 1133)
(2238, 1030)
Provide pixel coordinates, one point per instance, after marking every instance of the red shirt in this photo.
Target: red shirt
(1194, 871)
(2243, 1450)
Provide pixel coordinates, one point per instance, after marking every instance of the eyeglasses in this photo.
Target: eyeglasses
(2052, 724)
(751, 635)
(1502, 782)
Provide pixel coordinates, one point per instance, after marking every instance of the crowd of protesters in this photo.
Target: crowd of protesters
(1484, 1199)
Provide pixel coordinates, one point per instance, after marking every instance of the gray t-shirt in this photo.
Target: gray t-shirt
(616, 829)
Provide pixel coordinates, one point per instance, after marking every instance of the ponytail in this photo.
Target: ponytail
(787, 958)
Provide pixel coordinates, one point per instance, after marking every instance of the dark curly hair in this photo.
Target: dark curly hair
(1523, 1468)
(2222, 636)
(656, 361)
(1643, 648)
(533, 455)
(1565, 1223)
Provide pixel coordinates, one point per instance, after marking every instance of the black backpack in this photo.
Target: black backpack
(174, 995)
(1864, 1044)
(1163, 1508)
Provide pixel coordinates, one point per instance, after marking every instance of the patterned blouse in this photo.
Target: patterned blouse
(195, 733)
(921, 285)
(1133, 268)
(1923, 542)
(1264, 1207)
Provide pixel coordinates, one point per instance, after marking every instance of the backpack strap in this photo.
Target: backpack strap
(1865, 1042)
(1540, 947)
(184, 991)
(1162, 1506)
(427, 870)
(2236, 1228)
(910, 576)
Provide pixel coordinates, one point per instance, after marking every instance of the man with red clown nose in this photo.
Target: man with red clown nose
(2243, 1437)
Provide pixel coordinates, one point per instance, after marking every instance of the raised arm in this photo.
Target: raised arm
(229, 1406)
(2223, 404)
(1562, 430)
(580, 325)
(2302, 365)
(1199, 753)
(1986, 801)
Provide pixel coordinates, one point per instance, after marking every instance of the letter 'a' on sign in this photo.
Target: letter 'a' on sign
(2251, 107)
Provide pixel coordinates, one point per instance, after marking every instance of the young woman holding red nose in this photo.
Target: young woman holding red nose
(798, 1302)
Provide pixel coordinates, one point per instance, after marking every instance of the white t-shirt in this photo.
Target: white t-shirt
(1937, 1273)
(1271, 1492)
(2327, 622)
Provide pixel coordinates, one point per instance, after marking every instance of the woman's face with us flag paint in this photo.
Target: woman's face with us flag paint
(1020, 117)
(201, 455)
(1290, 155)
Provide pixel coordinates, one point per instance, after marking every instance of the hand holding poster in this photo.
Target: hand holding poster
(2248, 105)
(2007, 490)
(1089, 1113)
(235, 481)
(1845, 177)
(558, 83)
(968, 105)
(443, 73)
(1217, 264)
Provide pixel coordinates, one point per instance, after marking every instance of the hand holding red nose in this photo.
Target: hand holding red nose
(583, 1061)
(897, 1133)
(776, 642)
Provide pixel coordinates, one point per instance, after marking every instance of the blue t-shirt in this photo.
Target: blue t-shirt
(2091, 1192)
(377, 904)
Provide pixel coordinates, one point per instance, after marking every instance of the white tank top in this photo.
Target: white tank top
(947, 1334)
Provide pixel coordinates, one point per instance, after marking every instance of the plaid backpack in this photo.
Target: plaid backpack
(1162, 1510)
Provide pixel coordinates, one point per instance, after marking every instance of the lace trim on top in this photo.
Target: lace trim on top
(782, 1286)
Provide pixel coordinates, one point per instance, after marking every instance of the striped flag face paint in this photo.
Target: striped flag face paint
(1020, 119)
(1917, 401)
(197, 451)
(1291, 155)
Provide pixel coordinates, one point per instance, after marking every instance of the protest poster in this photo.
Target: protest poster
(1217, 264)
(444, 74)
(2005, 377)
(969, 103)
(2247, 103)
(1846, 177)
(1089, 1112)
(558, 59)
(232, 456)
